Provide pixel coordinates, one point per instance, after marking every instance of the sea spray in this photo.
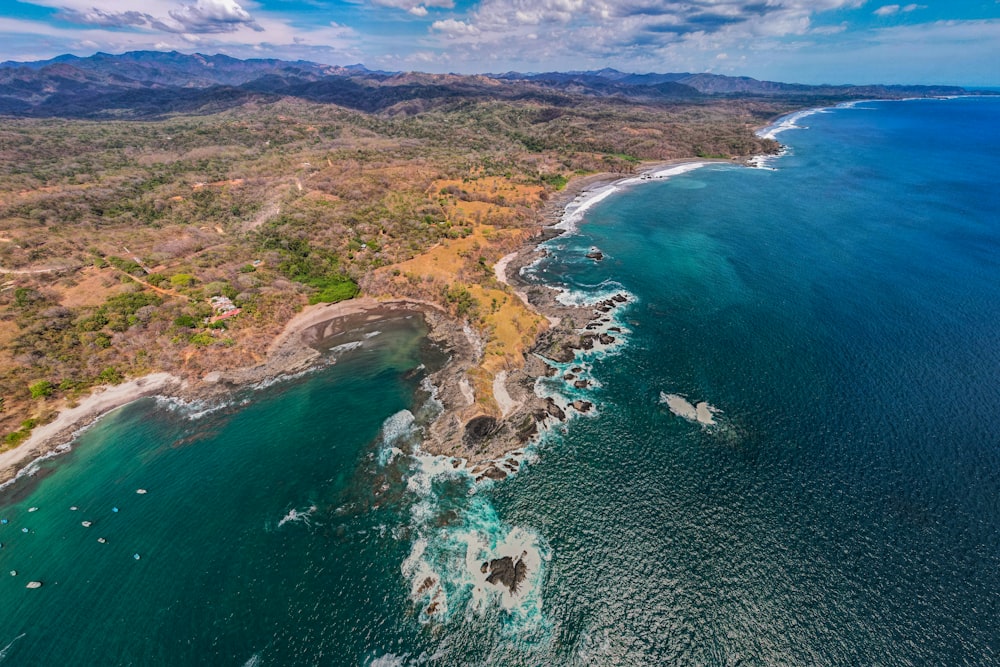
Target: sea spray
(453, 529)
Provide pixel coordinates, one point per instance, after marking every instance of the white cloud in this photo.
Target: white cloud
(208, 16)
(223, 26)
(201, 17)
(454, 28)
(662, 34)
(829, 29)
(889, 10)
(415, 8)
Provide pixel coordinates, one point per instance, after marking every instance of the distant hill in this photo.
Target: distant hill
(154, 83)
(717, 84)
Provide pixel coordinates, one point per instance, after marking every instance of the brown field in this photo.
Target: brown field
(93, 287)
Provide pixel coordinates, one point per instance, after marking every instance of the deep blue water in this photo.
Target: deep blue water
(840, 312)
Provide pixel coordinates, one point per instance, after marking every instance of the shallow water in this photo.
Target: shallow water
(838, 313)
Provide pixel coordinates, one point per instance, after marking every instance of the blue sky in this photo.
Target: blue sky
(808, 41)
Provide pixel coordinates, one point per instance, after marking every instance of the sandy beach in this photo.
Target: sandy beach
(68, 423)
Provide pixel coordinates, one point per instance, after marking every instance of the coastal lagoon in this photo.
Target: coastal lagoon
(833, 315)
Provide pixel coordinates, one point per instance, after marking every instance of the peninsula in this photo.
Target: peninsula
(197, 228)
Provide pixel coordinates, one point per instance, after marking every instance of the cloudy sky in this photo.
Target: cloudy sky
(808, 41)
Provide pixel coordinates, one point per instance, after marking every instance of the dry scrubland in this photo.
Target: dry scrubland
(114, 235)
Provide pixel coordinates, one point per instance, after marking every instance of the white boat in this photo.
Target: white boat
(141, 492)
(32, 509)
(102, 540)
(34, 584)
(86, 524)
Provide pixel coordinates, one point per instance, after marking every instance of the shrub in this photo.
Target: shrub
(202, 339)
(110, 375)
(182, 280)
(336, 289)
(41, 389)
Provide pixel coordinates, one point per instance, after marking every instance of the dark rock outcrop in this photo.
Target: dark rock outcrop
(507, 572)
(554, 410)
(481, 428)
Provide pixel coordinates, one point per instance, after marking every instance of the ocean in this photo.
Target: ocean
(834, 315)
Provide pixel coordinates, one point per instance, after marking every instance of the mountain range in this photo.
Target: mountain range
(154, 83)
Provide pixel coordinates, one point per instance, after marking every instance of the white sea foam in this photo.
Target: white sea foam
(397, 426)
(32, 468)
(575, 211)
(675, 170)
(3, 651)
(398, 431)
(789, 122)
(388, 660)
(295, 515)
(853, 104)
(194, 410)
(590, 296)
(450, 544)
(486, 538)
(346, 347)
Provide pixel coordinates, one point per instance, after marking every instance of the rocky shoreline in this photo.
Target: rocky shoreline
(493, 447)
(490, 446)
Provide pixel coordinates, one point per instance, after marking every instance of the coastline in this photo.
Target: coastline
(482, 441)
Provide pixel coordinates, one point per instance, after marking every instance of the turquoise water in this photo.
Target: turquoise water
(839, 312)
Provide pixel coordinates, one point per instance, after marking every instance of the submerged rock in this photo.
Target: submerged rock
(595, 255)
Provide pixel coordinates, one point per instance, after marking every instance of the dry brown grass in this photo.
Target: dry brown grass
(507, 326)
(93, 287)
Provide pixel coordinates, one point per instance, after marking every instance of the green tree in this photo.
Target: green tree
(41, 389)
